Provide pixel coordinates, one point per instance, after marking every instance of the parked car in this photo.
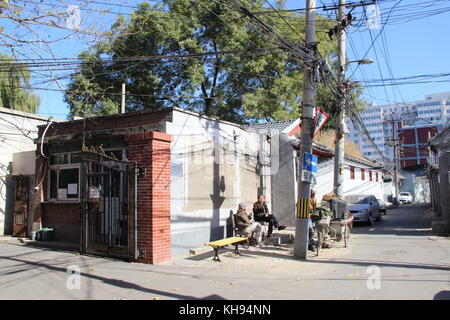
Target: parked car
(405, 197)
(383, 205)
(363, 207)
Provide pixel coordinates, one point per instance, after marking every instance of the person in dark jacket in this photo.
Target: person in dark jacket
(261, 213)
(243, 223)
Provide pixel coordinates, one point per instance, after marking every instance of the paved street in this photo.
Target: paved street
(413, 264)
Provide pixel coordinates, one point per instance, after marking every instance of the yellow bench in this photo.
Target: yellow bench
(222, 243)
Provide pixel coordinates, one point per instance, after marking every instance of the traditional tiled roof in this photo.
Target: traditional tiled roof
(275, 126)
(318, 148)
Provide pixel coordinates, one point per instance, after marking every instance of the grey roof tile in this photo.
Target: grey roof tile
(275, 125)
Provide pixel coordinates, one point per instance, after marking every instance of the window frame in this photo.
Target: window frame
(58, 168)
(352, 172)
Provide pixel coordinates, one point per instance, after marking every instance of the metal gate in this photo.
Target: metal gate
(109, 205)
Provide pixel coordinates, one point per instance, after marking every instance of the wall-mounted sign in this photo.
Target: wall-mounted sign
(94, 193)
(309, 167)
(319, 120)
(320, 117)
(72, 188)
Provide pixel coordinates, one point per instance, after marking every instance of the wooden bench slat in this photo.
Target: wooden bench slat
(224, 242)
(216, 245)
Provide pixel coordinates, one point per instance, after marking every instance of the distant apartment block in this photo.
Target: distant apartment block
(385, 122)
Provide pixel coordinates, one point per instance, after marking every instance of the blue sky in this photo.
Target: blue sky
(414, 47)
(420, 46)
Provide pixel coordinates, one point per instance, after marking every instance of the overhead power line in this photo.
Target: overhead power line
(66, 61)
(158, 97)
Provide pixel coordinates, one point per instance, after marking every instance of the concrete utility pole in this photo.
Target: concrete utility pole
(340, 125)
(394, 144)
(429, 160)
(396, 161)
(122, 104)
(307, 118)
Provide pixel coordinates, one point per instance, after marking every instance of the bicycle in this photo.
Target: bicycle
(326, 230)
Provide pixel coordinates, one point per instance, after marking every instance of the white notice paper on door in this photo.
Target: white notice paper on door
(72, 188)
(62, 193)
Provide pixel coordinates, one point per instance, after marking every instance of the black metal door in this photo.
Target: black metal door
(109, 206)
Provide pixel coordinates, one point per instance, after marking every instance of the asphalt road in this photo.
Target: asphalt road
(397, 258)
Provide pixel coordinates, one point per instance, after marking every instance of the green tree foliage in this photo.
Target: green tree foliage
(14, 78)
(242, 87)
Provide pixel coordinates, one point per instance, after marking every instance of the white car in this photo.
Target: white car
(405, 197)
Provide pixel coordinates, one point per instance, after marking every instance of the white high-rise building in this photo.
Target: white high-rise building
(372, 117)
(378, 121)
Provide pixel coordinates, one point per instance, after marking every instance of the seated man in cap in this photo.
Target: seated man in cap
(243, 223)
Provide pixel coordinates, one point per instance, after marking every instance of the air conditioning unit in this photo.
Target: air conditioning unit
(23, 163)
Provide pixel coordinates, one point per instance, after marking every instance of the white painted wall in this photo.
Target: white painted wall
(192, 227)
(284, 185)
(388, 191)
(17, 132)
(325, 173)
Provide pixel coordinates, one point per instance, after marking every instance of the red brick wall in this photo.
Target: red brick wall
(408, 152)
(423, 133)
(408, 163)
(151, 150)
(407, 136)
(65, 218)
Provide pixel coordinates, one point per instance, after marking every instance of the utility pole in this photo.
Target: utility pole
(394, 143)
(307, 118)
(122, 104)
(340, 125)
(396, 161)
(343, 20)
(430, 161)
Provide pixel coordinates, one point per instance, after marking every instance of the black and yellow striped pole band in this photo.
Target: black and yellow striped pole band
(303, 209)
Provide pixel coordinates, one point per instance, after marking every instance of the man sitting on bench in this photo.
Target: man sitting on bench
(244, 224)
(261, 213)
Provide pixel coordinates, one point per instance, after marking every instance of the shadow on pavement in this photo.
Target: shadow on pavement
(392, 231)
(367, 263)
(115, 282)
(275, 252)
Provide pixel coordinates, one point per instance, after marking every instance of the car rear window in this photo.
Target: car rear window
(357, 199)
